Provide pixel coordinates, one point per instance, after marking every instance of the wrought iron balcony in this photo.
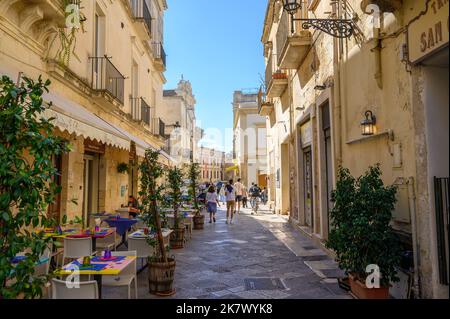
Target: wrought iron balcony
(105, 78)
(276, 82)
(167, 146)
(265, 107)
(158, 127)
(140, 110)
(292, 48)
(141, 12)
(159, 55)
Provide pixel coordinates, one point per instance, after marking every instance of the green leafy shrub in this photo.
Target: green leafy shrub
(361, 234)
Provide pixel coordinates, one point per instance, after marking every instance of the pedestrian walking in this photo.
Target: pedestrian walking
(239, 187)
(264, 196)
(230, 194)
(245, 197)
(212, 202)
(222, 194)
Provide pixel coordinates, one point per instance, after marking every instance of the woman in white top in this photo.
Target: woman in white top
(230, 194)
(211, 203)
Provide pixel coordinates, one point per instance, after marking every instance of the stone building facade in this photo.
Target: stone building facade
(105, 95)
(318, 90)
(180, 119)
(249, 143)
(212, 164)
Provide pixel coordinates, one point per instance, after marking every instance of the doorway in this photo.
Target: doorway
(327, 148)
(285, 185)
(307, 187)
(90, 184)
(54, 209)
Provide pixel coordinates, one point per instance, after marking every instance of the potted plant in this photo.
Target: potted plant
(361, 234)
(194, 173)
(161, 269)
(27, 184)
(123, 168)
(175, 183)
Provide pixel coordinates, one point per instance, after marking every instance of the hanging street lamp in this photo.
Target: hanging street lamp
(338, 28)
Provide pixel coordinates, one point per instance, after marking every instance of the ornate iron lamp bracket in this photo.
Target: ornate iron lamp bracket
(338, 28)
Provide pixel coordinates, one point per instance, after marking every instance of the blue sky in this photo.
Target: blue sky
(216, 45)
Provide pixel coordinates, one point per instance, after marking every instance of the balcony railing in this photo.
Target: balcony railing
(167, 146)
(276, 82)
(159, 53)
(158, 127)
(140, 110)
(141, 12)
(106, 78)
(265, 107)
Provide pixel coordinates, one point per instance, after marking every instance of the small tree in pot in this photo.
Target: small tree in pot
(175, 182)
(362, 235)
(194, 173)
(27, 187)
(161, 268)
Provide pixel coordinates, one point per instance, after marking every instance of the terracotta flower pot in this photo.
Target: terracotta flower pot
(360, 290)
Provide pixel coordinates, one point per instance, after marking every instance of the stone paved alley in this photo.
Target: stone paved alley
(258, 257)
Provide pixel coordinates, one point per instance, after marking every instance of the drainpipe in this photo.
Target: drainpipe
(377, 52)
(412, 202)
(337, 105)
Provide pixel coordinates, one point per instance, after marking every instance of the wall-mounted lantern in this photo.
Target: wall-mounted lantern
(338, 28)
(368, 125)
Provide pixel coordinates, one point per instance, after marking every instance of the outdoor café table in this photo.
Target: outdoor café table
(98, 268)
(122, 225)
(102, 233)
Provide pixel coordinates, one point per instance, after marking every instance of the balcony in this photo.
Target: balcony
(167, 146)
(276, 82)
(106, 79)
(265, 107)
(292, 48)
(160, 56)
(158, 127)
(140, 110)
(141, 13)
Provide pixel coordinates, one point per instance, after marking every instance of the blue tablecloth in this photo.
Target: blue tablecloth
(122, 224)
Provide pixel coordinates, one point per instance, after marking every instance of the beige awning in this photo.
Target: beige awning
(73, 118)
(141, 145)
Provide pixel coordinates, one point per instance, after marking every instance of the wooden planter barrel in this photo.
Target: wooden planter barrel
(199, 221)
(160, 277)
(177, 238)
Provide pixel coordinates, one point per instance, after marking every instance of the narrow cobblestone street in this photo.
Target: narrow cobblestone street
(257, 257)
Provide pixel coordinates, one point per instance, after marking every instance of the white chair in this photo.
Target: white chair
(75, 248)
(107, 243)
(126, 277)
(85, 290)
(142, 248)
(139, 225)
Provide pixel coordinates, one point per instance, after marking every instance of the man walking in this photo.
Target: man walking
(239, 188)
